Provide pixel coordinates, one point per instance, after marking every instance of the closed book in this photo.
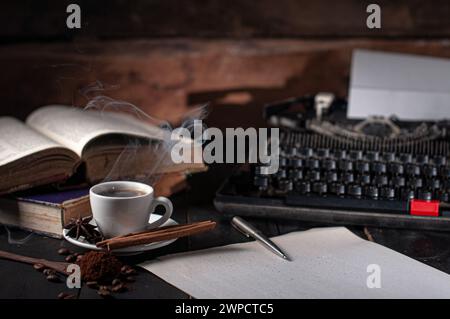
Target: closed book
(44, 212)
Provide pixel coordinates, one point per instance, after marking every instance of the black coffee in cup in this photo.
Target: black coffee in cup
(121, 192)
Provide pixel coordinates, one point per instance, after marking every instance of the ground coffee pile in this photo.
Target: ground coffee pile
(99, 266)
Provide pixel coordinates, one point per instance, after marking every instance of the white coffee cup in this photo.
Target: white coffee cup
(123, 207)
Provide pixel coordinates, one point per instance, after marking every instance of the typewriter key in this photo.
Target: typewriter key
(388, 192)
(303, 187)
(373, 156)
(371, 191)
(354, 190)
(331, 177)
(406, 158)
(337, 189)
(320, 188)
(363, 167)
(424, 194)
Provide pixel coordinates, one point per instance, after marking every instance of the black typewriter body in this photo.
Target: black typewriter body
(376, 171)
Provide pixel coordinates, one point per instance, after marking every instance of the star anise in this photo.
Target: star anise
(81, 227)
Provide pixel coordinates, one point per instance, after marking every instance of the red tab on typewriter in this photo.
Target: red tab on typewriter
(424, 208)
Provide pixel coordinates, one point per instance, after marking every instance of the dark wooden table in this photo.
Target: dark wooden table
(22, 281)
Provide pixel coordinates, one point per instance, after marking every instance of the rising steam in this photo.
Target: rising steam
(149, 156)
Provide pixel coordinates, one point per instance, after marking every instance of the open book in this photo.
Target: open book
(58, 141)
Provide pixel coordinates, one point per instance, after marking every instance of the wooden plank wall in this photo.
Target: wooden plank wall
(167, 56)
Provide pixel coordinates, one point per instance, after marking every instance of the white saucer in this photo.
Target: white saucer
(81, 242)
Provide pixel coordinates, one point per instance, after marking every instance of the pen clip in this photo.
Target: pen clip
(235, 226)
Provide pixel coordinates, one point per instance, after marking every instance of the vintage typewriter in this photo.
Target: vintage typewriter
(376, 171)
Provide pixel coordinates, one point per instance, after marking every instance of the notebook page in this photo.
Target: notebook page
(327, 263)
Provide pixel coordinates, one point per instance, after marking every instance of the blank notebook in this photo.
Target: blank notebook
(327, 263)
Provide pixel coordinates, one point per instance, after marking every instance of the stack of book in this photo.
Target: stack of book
(64, 146)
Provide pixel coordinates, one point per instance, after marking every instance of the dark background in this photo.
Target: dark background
(166, 56)
(169, 56)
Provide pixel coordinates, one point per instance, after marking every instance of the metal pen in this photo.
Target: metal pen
(250, 231)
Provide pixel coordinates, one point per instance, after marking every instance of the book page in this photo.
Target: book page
(326, 263)
(75, 127)
(18, 140)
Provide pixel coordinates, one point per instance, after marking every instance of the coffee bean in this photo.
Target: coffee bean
(48, 272)
(92, 284)
(130, 279)
(71, 258)
(62, 295)
(39, 267)
(130, 271)
(119, 288)
(53, 278)
(65, 295)
(116, 282)
(64, 251)
(104, 291)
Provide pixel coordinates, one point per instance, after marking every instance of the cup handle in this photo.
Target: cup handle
(168, 210)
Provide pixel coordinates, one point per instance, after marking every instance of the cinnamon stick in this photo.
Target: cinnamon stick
(159, 234)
